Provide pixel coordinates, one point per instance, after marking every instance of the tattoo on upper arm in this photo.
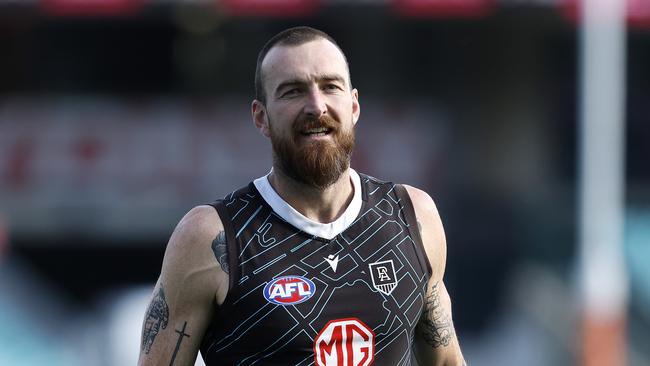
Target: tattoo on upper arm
(436, 327)
(157, 317)
(220, 250)
(181, 335)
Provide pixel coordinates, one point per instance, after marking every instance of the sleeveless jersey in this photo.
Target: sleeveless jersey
(296, 298)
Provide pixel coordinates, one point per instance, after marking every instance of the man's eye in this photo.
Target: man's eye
(291, 92)
(332, 87)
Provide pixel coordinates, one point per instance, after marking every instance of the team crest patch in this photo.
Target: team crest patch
(289, 290)
(383, 276)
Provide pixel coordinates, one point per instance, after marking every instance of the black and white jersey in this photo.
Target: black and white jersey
(346, 293)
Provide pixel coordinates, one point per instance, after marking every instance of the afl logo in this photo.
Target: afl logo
(289, 290)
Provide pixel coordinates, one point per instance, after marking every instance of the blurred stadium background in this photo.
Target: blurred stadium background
(117, 116)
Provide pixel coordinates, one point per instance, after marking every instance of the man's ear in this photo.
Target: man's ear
(260, 117)
(356, 108)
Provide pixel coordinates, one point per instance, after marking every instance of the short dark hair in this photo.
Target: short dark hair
(290, 37)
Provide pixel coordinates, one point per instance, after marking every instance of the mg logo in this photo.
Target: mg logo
(345, 342)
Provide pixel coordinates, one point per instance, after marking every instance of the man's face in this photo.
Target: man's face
(310, 111)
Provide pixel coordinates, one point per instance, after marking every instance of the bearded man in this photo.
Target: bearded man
(313, 263)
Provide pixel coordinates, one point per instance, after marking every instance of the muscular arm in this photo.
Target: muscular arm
(435, 338)
(192, 281)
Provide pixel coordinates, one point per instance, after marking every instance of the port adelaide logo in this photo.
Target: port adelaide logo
(383, 276)
(289, 290)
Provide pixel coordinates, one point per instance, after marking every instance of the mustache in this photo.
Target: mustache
(308, 123)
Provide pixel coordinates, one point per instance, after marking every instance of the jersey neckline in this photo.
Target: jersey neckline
(324, 230)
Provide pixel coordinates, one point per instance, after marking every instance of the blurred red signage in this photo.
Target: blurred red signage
(637, 12)
(273, 8)
(443, 8)
(91, 7)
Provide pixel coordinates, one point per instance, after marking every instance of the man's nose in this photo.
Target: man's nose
(315, 105)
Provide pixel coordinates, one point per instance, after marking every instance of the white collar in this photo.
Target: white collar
(295, 218)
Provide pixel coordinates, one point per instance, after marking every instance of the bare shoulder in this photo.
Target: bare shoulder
(422, 201)
(431, 229)
(198, 225)
(190, 257)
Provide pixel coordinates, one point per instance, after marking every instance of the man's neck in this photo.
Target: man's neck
(320, 205)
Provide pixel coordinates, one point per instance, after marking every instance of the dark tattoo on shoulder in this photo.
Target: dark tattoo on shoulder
(156, 318)
(437, 328)
(181, 335)
(220, 250)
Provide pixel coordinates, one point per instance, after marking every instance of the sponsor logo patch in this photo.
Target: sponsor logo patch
(289, 290)
(383, 276)
(333, 261)
(345, 342)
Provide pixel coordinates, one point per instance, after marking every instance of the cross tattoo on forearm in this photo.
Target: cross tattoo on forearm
(181, 335)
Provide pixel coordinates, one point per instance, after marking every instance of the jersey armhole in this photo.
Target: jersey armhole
(231, 246)
(412, 224)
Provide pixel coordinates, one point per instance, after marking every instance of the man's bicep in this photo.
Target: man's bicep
(171, 333)
(435, 337)
(156, 319)
(435, 326)
(436, 341)
(183, 299)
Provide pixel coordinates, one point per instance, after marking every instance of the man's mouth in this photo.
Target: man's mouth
(320, 131)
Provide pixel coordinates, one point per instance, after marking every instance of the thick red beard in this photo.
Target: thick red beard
(316, 163)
